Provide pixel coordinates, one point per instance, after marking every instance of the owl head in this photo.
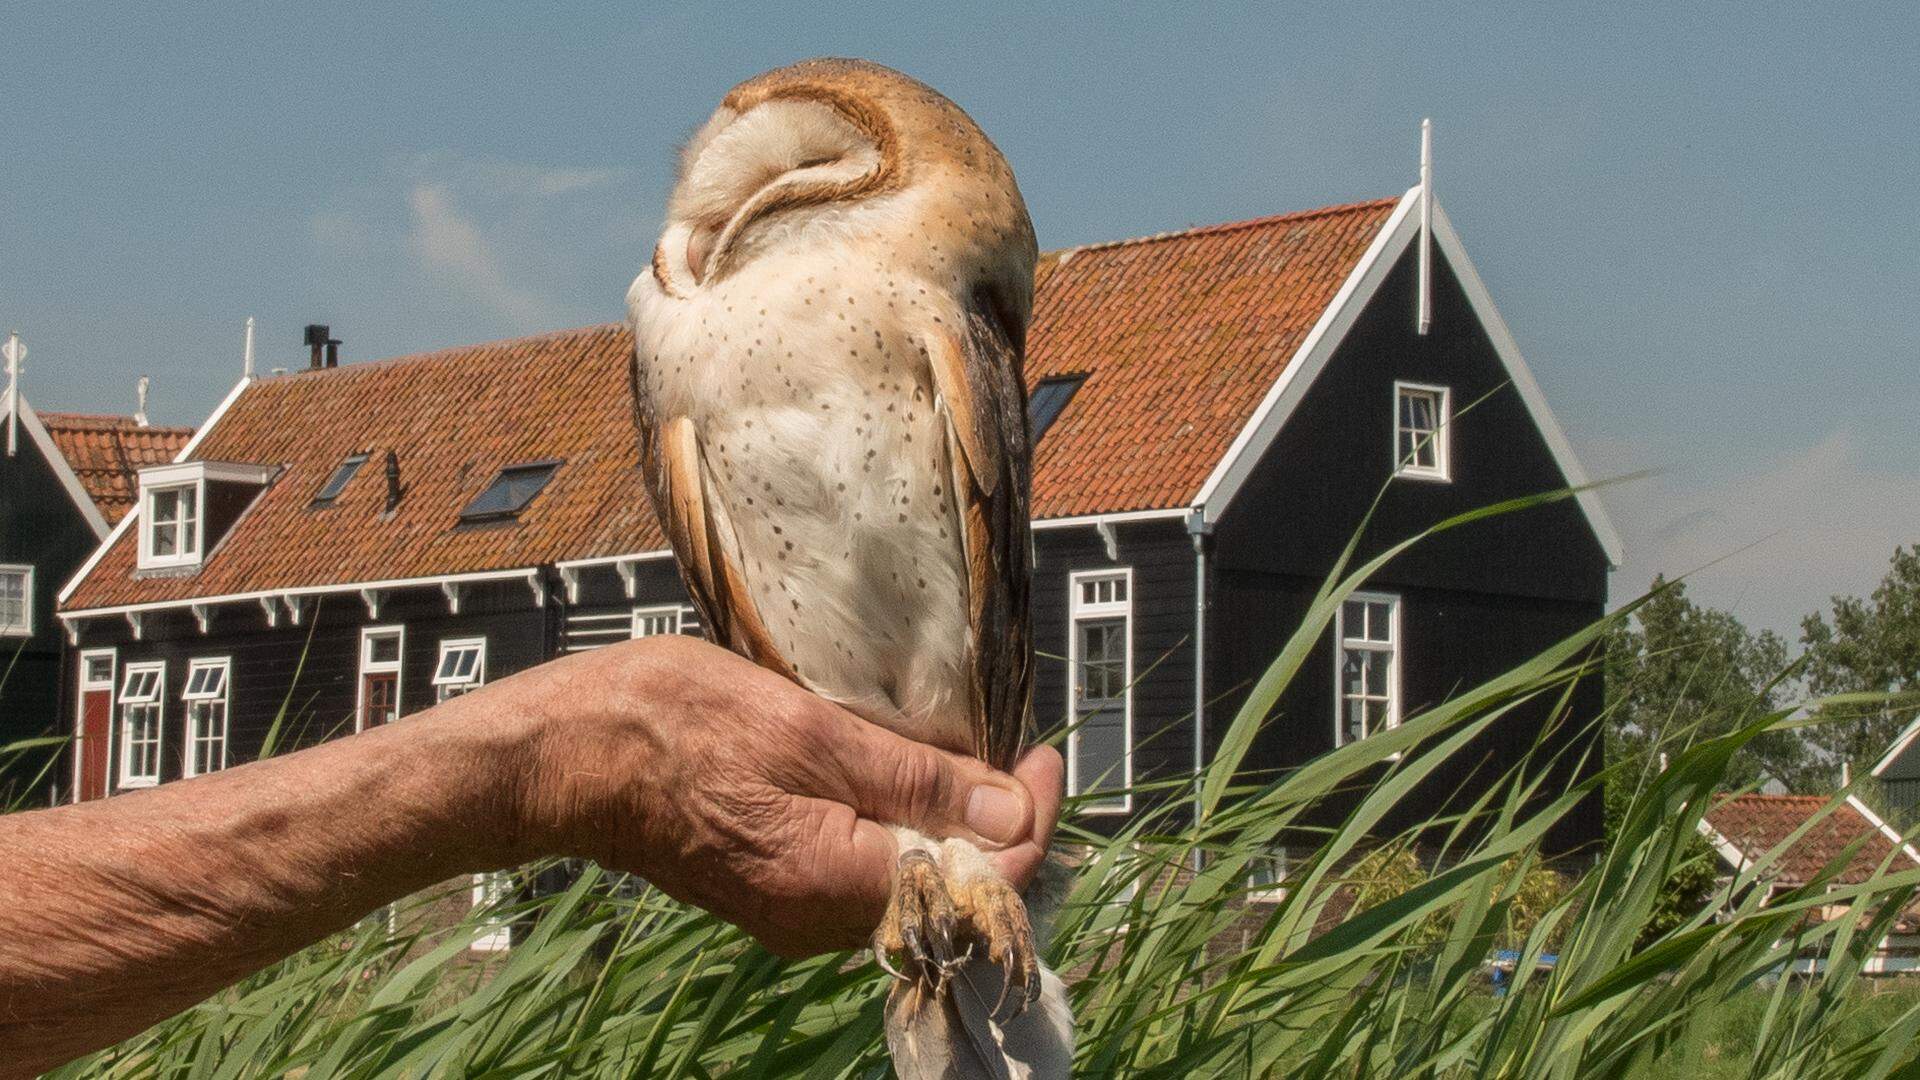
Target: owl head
(826, 140)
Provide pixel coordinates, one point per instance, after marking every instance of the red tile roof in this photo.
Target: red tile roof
(106, 453)
(1755, 824)
(1180, 335)
(452, 418)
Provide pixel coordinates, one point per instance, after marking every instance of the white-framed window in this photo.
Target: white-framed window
(1421, 430)
(648, 621)
(462, 667)
(493, 888)
(1366, 666)
(173, 501)
(142, 708)
(206, 697)
(1267, 876)
(1100, 688)
(171, 536)
(16, 600)
(381, 649)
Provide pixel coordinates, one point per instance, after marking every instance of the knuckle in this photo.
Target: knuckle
(922, 784)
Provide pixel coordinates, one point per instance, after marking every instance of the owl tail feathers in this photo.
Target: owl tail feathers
(950, 1032)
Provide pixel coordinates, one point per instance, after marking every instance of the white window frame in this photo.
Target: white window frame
(82, 687)
(157, 700)
(496, 935)
(1077, 610)
(183, 555)
(656, 611)
(1442, 469)
(25, 570)
(368, 667)
(447, 685)
(1394, 647)
(1270, 892)
(190, 697)
(179, 476)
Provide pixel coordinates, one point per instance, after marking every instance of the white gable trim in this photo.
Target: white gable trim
(133, 515)
(1400, 230)
(1892, 834)
(1517, 370)
(1728, 851)
(61, 467)
(1899, 746)
(1315, 350)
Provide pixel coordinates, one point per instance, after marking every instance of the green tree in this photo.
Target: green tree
(1867, 646)
(1679, 672)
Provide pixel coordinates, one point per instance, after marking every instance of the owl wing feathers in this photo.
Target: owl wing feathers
(978, 376)
(702, 536)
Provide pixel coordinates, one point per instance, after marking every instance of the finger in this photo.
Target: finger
(836, 888)
(1042, 773)
(897, 781)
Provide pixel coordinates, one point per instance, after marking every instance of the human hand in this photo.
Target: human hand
(731, 788)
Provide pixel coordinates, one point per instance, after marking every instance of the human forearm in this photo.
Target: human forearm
(118, 913)
(720, 782)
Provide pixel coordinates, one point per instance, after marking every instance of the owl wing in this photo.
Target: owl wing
(977, 371)
(702, 537)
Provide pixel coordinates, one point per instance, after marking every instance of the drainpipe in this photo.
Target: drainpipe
(1202, 540)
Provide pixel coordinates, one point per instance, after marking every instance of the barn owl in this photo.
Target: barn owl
(829, 344)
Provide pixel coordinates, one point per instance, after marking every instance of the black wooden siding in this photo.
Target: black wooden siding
(1901, 780)
(41, 527)
(1160, 554)
(301, 683)
(1476, 601)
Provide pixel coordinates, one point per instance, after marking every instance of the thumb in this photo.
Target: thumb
(896, 781)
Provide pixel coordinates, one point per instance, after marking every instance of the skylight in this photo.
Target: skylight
(1048, 400)
(338, 481)
(510, 492)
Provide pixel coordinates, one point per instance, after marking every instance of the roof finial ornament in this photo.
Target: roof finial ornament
(16, 355)
(140, 401)
(1425, 318)
(246, 354)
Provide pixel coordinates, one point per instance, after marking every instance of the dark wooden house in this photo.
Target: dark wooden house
(64, 480)
(1898, 772)
(1216, 409)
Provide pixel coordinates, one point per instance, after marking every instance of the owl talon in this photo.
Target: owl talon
(995, 915)
(919, 925)
(934, 926)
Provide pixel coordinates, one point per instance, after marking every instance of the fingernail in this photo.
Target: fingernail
(996, 814)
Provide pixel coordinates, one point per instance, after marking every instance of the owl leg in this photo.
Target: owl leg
(949, 906)
(921, 924)
(993, 919)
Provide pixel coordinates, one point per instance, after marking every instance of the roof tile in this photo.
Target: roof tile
(1180, 335)
(1757, 823)
(107, 452)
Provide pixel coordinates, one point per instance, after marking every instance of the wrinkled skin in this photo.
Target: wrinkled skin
(725, 785)
(730, 788)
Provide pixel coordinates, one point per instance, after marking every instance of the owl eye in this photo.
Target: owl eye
(779, 156)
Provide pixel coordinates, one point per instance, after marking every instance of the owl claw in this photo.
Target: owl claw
(919, 925)
(935, 925)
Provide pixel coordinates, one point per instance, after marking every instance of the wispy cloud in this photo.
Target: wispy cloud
(1782, 538)
(448, 243)
(485, 247)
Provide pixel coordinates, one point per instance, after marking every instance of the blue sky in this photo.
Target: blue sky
(1695, 217)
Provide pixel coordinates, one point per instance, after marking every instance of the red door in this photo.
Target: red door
(379, 699)
(96, 723)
